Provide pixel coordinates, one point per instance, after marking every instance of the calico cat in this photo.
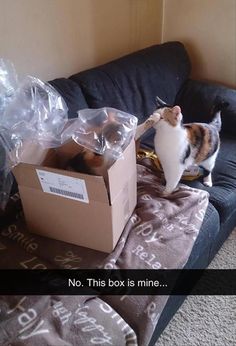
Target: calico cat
(179, 146)
(89, 162)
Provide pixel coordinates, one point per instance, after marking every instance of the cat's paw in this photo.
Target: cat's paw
(155, 117)
(166, 192)
(208, 183)
(152, 120)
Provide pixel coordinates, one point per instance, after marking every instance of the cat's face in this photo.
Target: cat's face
(171, 116)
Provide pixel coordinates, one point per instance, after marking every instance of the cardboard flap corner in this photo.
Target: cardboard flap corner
(121, 171)
(23, 173)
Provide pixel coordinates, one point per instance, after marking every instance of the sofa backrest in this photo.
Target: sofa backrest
(131, 83)
(72, 95)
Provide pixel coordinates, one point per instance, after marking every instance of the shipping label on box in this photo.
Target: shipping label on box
(62, 185)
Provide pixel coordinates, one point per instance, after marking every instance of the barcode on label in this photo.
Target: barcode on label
(63, 186)
(66, 193)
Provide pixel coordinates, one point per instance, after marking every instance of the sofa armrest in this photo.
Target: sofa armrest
(196, 99)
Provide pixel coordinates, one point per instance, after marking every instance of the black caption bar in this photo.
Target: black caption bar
(118, 282)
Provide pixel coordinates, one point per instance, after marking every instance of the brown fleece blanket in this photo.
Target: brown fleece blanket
(159, 235)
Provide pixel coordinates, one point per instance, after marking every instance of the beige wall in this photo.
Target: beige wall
(55, 38)
(208, 28)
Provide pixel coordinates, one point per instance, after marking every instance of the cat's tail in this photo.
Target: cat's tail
(218, 106)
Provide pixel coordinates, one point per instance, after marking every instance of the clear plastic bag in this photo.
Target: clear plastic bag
(6, 177)
(102, 130)
(34, 117)
(36, 112)
(31, 116)
(8, 84)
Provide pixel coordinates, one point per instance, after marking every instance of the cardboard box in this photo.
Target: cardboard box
(77, 208)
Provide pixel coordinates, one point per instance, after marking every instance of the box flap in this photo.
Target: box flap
(26, 175)
(121, 170)
(123, 206)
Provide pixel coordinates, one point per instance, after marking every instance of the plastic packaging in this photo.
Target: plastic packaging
(37, 112)
(6, 177)
(34, 117)
(31, 114)
(102, 130)
(8, 84)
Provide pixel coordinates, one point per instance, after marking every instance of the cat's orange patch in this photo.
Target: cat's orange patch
(205, 148)
(193, 133)
(199, 137)
(93, 160)
(172, 116)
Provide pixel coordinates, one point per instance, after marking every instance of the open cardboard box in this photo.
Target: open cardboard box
(77, 208)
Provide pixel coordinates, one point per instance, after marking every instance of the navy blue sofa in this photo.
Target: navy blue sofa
(131, 84)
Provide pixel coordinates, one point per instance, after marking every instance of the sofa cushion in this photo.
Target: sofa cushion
(132, 82)
(196, 99)
(72, 95)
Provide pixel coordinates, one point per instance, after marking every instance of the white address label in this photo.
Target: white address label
(61, 185)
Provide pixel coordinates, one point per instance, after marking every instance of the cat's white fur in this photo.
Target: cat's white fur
(170, 145)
